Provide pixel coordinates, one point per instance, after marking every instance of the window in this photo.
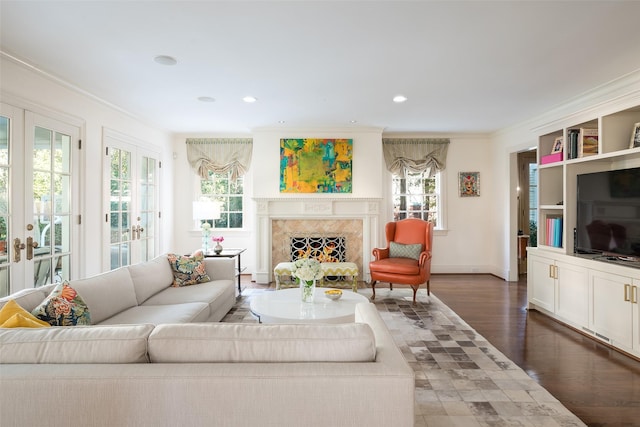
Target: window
(229, 193)
(417, 196)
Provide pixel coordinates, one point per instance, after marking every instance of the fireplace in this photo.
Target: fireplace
(353, 222)
(321, 248)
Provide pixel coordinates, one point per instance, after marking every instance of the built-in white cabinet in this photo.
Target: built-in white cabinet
(572, 293)
(595, 297)
(614, 312)
(561, 288)
(602, 300)
(540, 270)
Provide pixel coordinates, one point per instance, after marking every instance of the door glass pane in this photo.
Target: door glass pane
(62, 153)
(4, 206)
(146, 201)
(120, 205)
(62, 267)
(51, 204)
(43, 202)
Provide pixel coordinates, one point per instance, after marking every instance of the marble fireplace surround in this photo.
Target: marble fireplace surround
(277, 219)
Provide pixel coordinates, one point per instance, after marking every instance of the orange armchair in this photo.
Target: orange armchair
(407, 258)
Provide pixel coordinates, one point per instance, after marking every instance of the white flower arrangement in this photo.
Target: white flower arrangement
(307, 269)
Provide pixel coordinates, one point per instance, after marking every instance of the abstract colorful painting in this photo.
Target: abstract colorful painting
(313, 165)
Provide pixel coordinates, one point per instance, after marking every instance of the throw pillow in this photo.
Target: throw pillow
(188, 270)
(19, 320)
(12, 315)
(63, 307)
(398, 250)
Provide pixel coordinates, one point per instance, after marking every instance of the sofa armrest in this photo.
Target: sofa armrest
(221, 268)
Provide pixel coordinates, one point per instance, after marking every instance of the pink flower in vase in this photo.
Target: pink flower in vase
(217, 239)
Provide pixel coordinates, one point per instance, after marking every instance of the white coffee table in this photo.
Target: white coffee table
(285, 306)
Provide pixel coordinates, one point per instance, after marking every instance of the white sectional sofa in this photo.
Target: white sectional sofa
(142, 293)
(207, 374)
(156, 356)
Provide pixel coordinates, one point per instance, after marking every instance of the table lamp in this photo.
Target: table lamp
(205, 210)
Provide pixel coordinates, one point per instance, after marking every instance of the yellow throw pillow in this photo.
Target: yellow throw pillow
(19, 320)
(11, 308)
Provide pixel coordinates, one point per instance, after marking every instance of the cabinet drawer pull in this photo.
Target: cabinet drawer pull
(627, 288)
(634, 295)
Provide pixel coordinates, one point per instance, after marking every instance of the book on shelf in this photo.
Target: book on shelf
(572, 145)
(554, 232)
(587, 142)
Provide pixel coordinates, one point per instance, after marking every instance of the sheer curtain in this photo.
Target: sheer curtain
(416, 155)
(220, 155)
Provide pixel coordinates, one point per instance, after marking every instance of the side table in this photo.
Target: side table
(230, 253)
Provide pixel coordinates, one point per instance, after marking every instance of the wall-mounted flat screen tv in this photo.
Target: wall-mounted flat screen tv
(608, 213)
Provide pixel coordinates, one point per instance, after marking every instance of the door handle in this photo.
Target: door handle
(31, 245)
(627, 288)
(136, 232)
(17, 247)
(634, 295)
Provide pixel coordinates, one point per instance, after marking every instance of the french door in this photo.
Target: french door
(39, 169)
(132, 221)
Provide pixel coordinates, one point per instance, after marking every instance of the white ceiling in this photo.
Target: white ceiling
(465, 66)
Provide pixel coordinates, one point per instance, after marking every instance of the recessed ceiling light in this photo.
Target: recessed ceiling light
(206, 99)
(281, 121)
(249, 99)
(353, 121)
(399, 99)
(165, 60)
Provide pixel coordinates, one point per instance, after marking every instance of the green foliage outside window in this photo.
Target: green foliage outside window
(229, 194)
(415, 196)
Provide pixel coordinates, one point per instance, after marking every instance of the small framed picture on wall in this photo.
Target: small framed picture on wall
(635, 136)
(469, 184)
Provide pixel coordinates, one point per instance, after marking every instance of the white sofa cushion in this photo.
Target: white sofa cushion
(26, 298)
(106, 294)
(77, 344)
(219, 342)
(157, 314)
(151, 277)
(209, 292)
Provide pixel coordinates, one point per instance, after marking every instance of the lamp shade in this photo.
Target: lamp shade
(206, 209)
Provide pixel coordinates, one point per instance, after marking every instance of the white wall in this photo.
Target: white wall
(466, 246)
(26, 88)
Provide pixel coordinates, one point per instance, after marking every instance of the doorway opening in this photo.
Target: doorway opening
(527, 206)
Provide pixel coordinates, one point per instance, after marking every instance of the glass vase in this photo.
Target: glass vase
(217, 248)
(307, 290)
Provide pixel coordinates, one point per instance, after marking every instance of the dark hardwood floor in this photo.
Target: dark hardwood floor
(600, 385)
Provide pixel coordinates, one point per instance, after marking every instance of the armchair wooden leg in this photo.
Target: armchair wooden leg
(390, 286)
(415, 291)
(373, 288)
(428, 288)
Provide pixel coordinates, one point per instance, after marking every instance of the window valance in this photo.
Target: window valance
(416, 155)
(220, 155)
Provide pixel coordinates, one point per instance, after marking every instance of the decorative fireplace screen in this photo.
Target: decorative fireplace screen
(324, 249)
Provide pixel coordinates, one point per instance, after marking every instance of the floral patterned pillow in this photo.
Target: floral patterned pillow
(188, 270)
(63, 307)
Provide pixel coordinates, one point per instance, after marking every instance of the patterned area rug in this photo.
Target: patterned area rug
(461, 379)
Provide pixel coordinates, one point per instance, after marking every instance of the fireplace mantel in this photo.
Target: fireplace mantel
(318, 209)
